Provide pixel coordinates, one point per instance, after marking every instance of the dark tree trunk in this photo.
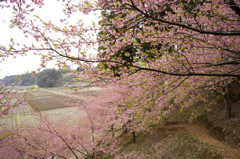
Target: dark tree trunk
(133, 137)
(112, 132)
(227, 106)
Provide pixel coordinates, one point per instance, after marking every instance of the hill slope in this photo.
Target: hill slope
(208, 135)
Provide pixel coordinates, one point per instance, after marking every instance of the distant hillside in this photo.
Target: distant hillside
(26, 79)
(46, 78)
(8, 79)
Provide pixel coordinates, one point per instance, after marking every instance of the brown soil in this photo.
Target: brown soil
(49, 99)
(44, 103)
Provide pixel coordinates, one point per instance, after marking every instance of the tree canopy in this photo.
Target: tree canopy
(154, 56)
(48, 78)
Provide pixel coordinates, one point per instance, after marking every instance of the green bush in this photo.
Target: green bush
(106, 157)
(171, 101)
(152, 124)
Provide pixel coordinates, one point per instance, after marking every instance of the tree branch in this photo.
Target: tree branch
(232, 33)
(234, 7)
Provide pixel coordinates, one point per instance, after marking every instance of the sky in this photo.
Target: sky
(20, 65)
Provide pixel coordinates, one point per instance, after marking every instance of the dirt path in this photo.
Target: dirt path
(201, 134)
(69, 95)
(60, 93)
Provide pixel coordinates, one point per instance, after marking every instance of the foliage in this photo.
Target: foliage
(48, 78)
(107, 157)
(152, 124)
(61, 71)
(9, 79)
(68, 78)
(171, 101)
(27, 80)
(148, 52)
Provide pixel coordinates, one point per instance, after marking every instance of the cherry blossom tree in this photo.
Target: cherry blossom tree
(202, 51)
(192, 49)
(9, 97)
(89, 136)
